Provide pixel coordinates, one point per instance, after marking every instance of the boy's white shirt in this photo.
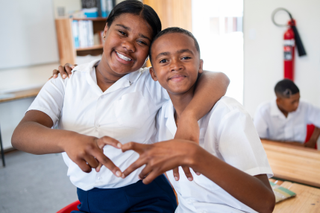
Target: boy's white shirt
(126, 111)
(272, 124)
(228, 133)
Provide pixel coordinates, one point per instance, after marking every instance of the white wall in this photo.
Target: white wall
(263, 50)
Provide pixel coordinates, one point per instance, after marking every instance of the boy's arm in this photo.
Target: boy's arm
(34, 135)
(211, 86)
(254, 191)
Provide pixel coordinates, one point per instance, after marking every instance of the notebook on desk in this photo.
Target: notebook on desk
(281, 193)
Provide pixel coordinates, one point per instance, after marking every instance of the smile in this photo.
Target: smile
(123, 57)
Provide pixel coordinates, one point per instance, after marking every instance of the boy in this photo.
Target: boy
(286, 118)
(230, 157)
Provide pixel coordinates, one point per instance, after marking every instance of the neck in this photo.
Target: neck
(180, 102)
(285, 113)
(104, 79)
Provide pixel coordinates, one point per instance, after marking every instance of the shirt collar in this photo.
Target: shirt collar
(123, 82)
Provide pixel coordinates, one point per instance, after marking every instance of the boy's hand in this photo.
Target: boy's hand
(65, 71)
(159, 157)
(310, 144)
(188, 129)
(87, 153)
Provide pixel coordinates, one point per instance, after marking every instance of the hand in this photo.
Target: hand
(188, 129)
(87, 153)
(159, 157)
(65, 71)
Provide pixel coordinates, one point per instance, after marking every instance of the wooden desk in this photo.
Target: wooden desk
(294, 163)
(19, 94)
(307, 199)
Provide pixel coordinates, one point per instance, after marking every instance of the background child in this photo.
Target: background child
(232, 160)
(286, 118)
(105, 102)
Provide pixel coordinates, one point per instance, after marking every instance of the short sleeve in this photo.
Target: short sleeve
(50, 98)
(313, 115)
(260, 124)
(239, 144)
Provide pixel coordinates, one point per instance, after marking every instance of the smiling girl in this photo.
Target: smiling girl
(109, 101)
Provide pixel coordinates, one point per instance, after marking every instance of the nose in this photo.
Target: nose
(175, 65)
(128, 45)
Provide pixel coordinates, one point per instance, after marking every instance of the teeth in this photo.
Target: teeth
(123, 57)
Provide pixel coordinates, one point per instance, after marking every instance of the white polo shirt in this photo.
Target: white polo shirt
(228, 133)
(126, 111)
(272, 124)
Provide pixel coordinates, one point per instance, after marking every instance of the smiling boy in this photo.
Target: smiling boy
(230, 157)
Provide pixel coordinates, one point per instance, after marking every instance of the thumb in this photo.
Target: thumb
(105, 140)
(137, 147)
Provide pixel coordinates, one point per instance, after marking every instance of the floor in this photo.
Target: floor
(34, 183)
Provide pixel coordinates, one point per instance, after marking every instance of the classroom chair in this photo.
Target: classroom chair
(70, 207)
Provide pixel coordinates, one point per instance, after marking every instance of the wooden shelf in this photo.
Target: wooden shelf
(67, 50)
(19, 95)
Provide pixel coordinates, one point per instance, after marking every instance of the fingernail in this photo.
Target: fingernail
(54, 75)
(190, 178)
(118, 173)
(64, 76)
(119, 145)
(176, 178)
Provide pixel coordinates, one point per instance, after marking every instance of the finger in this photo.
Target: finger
(101, 142)
(135, 165)
(197, 173)
(83, 165)
(187, 173)
(98, 167)
(91, 161)
(68, 68)
(104, 160)
(150, 177)
(62, 72)
(176, 173)
(55, 73)
(137, 147)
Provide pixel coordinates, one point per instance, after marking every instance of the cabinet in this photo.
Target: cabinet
(67, 50)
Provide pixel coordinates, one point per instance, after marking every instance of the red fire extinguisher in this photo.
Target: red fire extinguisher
(291, 38)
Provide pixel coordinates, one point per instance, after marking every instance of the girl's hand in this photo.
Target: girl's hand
(65, 71)
(159, 157)
(87, 153)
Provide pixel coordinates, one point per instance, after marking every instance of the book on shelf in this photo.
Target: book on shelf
(82, 33)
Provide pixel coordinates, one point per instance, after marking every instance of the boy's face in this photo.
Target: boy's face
(289, 104)
(176, 62)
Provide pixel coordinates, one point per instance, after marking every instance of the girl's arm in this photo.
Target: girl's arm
(34, 135)
(210, 88)
(254, 191)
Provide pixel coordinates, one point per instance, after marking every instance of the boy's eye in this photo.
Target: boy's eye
(163, 61)
(142, 42)
(186, 57)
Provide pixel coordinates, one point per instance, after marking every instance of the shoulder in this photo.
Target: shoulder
(86, 67)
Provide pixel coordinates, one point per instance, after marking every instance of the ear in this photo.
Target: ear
(200, 66)
(105, 31)
(278, 101)
(153, 74)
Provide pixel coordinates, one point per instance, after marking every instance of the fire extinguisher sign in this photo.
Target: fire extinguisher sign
(288, 49)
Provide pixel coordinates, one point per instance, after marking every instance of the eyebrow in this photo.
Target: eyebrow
(129, 29)
(179, 51)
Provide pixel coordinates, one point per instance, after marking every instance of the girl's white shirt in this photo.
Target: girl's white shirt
(126, 111)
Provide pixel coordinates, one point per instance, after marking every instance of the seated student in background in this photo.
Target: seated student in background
(286, 118)
(230, 157)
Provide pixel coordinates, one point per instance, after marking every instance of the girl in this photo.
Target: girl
(106, 102)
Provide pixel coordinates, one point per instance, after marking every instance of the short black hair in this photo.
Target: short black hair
(174, 30)
(137, 8)
(285, 88)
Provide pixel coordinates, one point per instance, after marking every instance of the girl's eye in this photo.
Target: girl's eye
(143, 43)
(122, 33)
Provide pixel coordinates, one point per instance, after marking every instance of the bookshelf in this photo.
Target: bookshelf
(66, 46)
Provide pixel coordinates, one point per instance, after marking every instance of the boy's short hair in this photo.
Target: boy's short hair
(174, 30)
(285, 88)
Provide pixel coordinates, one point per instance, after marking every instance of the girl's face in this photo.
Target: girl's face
(126, 45)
